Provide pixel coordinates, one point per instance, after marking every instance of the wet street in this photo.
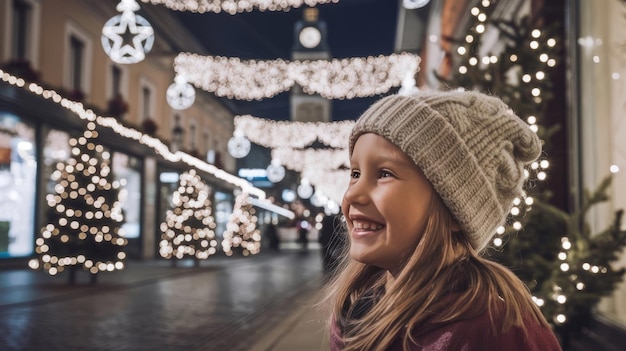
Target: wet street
(224, 304)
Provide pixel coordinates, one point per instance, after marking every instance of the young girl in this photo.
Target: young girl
(432, 177)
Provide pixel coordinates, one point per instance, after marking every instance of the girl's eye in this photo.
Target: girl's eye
(385, 174)
(354, 174)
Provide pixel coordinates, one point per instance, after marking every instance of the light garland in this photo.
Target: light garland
(331, 183)
(110, 122)
(333, 79)
(299, 160)
(235, 6)
(115, 28)
(188, 226)
(290, 134)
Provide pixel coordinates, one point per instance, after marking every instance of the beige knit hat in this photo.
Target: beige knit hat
(470, 146)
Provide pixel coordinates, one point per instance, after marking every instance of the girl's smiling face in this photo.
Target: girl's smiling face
(387, 203)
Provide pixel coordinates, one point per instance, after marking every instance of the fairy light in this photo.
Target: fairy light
(333, 79)
(235, 6)
(188, 229)
(130, 133)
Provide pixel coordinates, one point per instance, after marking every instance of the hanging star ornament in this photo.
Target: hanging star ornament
(128, 37)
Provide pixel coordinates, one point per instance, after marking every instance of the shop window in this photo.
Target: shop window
(223, 210)
(128, 169)
(18, 168)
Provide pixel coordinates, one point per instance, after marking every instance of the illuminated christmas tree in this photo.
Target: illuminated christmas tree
(188, 229)
(582, 272)
(242, 235)
(566, 267)
(84, 215)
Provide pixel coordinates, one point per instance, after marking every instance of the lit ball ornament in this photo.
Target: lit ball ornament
(305, 190)
(180, 94)
(116, 28)
(275, 171)
(238, 145)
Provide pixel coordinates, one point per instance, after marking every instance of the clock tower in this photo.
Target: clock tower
(309, 44)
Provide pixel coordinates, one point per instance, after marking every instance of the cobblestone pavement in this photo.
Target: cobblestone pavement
(224, 304)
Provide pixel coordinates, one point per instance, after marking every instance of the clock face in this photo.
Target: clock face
(310, 37)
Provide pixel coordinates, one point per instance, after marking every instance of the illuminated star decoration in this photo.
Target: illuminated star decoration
(180, 95)
(117, 28)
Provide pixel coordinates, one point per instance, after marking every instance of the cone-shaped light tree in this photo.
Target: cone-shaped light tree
(242, 235)
(188, 229)
(84, 214)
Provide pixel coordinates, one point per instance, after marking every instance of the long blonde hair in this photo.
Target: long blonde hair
(444, 280)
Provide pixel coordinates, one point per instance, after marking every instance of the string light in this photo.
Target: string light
(333, 79)
(235, 6)
(130, 133)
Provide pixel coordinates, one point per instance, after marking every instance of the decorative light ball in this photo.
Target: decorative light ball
(318, 199)
(180, 94)
(305, 190)
(414, 4)
(275, 171)
(288, 195)
(238, 145)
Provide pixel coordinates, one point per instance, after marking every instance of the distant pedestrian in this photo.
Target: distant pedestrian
(271, 233)
(432, 175)
(303, 234)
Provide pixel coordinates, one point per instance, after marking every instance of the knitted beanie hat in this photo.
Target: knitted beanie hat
(470, 146)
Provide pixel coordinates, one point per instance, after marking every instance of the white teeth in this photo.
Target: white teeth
(367, 225)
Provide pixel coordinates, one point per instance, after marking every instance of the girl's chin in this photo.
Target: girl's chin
(365, 255)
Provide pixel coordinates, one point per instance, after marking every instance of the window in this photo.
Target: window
(21, 21)
(192, 136)
(146, 102)
(77, 49)
(22, 12)
(78, 57)
(146, 96)
(18, 169)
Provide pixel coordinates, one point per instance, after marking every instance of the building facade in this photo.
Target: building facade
(56, 44)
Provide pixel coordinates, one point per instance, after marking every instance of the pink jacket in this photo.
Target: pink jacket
(472, 335)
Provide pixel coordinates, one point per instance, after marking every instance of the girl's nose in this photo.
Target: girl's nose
(356, 193)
